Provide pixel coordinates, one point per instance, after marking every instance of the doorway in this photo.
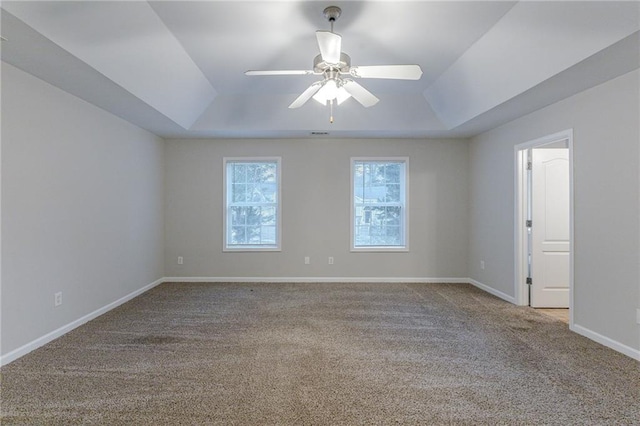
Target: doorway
(544, 222)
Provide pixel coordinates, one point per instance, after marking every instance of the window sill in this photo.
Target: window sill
(374, 249)
(249, 249)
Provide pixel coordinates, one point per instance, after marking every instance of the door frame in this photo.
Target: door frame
(520, 233)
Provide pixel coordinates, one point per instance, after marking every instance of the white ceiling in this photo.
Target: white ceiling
(177, 68)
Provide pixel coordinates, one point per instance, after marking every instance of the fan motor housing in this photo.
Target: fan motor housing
(320, 66)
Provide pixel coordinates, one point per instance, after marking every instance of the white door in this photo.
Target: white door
(550, 229)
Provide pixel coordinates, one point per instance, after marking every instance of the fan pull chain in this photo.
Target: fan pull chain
(331, 111)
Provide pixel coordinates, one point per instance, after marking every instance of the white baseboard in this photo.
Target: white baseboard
(603, 340)
(315, 280)
(490, 290)
(41, 341)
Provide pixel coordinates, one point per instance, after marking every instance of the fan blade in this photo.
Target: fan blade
(396, 72)
(360, 94)
(306, 95)
(330, 45)
(279, 72)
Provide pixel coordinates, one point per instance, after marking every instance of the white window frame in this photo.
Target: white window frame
(226, 207)
(405, 199)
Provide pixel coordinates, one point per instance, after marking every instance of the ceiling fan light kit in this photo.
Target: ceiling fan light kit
(335, 66)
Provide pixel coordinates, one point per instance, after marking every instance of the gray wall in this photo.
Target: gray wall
(82, 210)
(605, 120)
(315, 197)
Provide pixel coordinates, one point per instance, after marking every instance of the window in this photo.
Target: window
(252, 200)
(379, 204)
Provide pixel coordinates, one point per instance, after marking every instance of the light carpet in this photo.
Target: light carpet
(323, 354)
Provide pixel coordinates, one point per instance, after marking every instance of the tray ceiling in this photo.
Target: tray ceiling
(177, 68)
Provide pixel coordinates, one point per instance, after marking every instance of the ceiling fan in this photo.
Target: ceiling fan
(335, 67)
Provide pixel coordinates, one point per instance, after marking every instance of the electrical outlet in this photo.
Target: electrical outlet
(180, 260)
(330, 260)
(482, 264)
(638, 315)
(57, 299)
(307, 260)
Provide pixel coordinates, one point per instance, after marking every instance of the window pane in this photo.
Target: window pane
(268, 216)
(253, 235)
(377, 236)
(377, 173)
(268, 235)
(238, 235)
(392, 235)
(239, 172)
(362, 235)
(392, 194)
(268, 173)
(238, 192)
(358, 182)
(392, 173)
(252, 210)
(237, 216)
(358, 175)
(374, 194)
(251, 173)
(267, 192)
(378, 203)
(378, 215)
(253, 216)
(253, 194)
(392, 216)
(358, 215)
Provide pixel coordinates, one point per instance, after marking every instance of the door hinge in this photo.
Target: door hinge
(529, 280)
(529, 165)
(529, 223)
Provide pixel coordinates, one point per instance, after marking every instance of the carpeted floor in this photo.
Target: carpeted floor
(325, 354)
